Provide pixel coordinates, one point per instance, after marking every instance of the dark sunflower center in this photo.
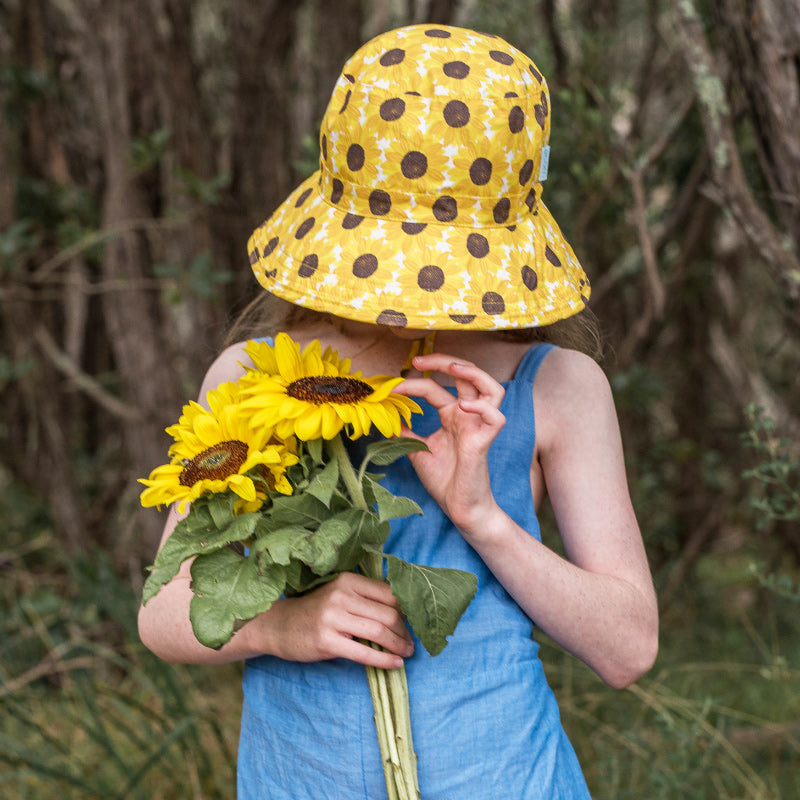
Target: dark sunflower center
(217, 462)
(325, 389)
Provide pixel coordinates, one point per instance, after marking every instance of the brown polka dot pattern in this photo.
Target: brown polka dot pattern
(414, 164)
(305, 226)
(456, 114)
(392, 57)
(502, 210)
(392, 109)
(351, 221)
(477, 245)
(445, 208)
(365, 265)
(480, 171)
(302, 198)
(529, 277)
(492, 303)
(380, 202)
(516, 119)
(426, 211)
(355, 157)
(430, 278)
(396, 319)
(309, 266)
(456, 69)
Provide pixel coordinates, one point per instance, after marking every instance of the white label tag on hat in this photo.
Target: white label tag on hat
(545, 163)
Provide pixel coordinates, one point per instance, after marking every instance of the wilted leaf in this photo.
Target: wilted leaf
(319, 550)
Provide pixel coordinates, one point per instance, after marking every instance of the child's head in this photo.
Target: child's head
(426, 211)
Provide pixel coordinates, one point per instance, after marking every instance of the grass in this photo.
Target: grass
(717, 717)
(86, 711)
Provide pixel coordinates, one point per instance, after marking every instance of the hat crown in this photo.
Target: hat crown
(436, 124)
(426, 210)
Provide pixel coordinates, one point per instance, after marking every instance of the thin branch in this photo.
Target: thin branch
(726, 168)
(63, 363)
(99, 237)
(657, 295)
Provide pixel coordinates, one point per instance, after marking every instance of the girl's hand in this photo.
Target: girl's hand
(328, 622)
(455, 471)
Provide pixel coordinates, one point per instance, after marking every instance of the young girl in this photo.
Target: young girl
(425, 219)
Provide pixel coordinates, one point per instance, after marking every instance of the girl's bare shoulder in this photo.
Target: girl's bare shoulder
(571, 391)
(229, 365)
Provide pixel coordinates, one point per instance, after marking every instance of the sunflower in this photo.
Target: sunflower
(214, 450)
(311, 394)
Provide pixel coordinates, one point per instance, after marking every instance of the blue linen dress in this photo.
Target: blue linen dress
(485, 723)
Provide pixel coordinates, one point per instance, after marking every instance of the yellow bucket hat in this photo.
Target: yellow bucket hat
(426, 210)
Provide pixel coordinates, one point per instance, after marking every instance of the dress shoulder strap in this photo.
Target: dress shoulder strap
(531, 361)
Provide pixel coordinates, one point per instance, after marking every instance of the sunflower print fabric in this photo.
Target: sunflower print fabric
(426, 211)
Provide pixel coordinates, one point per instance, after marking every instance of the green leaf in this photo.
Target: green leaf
(280, 545)
(323, 484)
(389, 506)
(299, 509)
(228, 587)
(322, 554)
(319, 550)
(220, 507)
(432, 598)
(367, 533)
(387, 451)
(314, 449)
(194, 535)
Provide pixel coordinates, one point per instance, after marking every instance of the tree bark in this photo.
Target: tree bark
(771, 243)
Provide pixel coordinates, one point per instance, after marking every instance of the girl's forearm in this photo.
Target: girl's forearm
(166, 630)
(606, 620)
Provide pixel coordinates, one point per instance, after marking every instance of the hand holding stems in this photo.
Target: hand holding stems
(455, 469)
(330, 621)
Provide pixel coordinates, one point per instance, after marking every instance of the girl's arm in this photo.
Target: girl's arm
(326, 623)
(599, 602)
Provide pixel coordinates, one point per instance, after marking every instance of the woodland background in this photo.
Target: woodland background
(140, 144)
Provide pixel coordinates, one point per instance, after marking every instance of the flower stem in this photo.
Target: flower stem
(388, 688)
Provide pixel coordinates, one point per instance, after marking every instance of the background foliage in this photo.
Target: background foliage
(141, 142)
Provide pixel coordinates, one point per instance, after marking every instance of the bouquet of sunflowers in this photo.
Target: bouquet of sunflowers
(278, 508)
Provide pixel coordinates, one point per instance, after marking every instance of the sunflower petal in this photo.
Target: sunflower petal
(386, 421)
(309, 424)
(331, 423)
(287, 357)
(208, 430)
(243, 486)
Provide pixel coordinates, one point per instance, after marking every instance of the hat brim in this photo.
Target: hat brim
(428, 277)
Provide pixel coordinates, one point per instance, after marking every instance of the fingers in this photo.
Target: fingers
(489, 414)
(332, 621)
(471, 382)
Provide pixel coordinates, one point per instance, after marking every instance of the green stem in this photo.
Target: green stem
(388, 688)
(371, 564)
